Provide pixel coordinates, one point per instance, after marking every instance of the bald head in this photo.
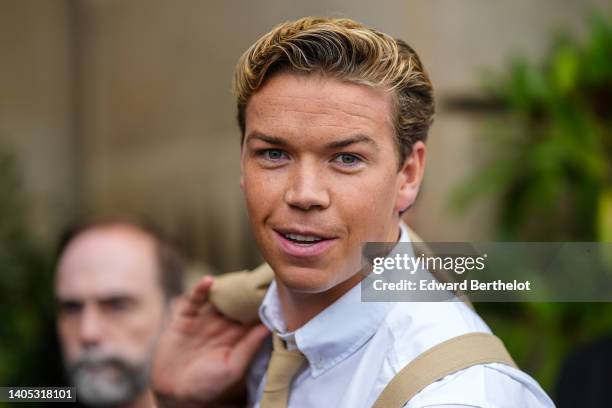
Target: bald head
(109, 260)
(111, 309)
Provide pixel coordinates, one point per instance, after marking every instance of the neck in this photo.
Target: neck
(299, 308)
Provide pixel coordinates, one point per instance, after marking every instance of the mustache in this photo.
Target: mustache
(95, 360)
(105, 380)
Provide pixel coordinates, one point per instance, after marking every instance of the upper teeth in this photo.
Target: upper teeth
(306, 238)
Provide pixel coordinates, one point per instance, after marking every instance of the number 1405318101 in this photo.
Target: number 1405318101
(26, 394)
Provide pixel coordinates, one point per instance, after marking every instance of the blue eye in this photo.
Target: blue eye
(348, 160)
(273, 154)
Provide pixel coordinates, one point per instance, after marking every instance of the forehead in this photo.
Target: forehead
(313, 101)
(108, 261)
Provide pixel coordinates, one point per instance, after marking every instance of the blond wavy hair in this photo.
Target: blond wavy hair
(349, 51)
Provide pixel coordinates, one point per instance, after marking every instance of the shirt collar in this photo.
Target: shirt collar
(335, 333)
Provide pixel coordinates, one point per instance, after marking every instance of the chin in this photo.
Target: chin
(304, 279)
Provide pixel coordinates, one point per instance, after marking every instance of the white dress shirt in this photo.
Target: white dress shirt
(355, 348)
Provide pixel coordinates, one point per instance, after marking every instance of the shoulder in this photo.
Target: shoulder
(484, 385)
(412, 328)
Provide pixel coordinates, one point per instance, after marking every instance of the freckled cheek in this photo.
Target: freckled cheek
(263, 191)
(368, 199)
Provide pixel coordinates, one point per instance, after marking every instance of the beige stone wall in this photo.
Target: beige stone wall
(125, 105)
(36, 116)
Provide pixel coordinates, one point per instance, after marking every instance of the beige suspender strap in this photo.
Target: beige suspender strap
(442, 275)
(439, 361)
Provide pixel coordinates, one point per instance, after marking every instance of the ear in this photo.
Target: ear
(410, 177)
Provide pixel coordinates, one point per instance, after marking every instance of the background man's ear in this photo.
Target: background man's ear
(411, 176)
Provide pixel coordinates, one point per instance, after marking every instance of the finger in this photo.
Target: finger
(198, 296)
(243, 352)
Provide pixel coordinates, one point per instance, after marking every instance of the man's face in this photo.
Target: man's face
(111, 309)
(320, 177)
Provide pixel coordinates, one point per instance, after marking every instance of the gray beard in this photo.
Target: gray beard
(107, 381)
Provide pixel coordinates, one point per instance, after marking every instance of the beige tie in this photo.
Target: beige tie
(283, 367)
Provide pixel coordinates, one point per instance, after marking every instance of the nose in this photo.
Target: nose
(90, 329)
(306, 189)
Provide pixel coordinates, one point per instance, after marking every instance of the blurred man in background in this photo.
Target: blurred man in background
(114, 283)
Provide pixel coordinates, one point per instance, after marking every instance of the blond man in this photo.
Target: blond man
(334, 117)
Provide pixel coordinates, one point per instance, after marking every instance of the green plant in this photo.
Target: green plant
(551, 169)
(26, 306)
(552, 163)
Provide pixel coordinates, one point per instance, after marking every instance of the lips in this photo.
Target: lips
(303, 243)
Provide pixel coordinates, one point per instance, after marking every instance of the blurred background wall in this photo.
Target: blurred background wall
(119, 106)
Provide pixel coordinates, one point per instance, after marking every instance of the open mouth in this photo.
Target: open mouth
(303, 239)
(303, 244)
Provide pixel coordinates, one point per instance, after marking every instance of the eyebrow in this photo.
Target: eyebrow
(67, 301)
(337, 144)
(102, 298)
(352, 140)
(273, 140)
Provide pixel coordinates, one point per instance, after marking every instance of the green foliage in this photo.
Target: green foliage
(26, 307)
(551, 168)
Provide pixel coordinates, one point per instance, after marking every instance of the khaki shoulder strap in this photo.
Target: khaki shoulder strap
(439, 361)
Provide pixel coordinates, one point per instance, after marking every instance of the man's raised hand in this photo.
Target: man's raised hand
(200, 353)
